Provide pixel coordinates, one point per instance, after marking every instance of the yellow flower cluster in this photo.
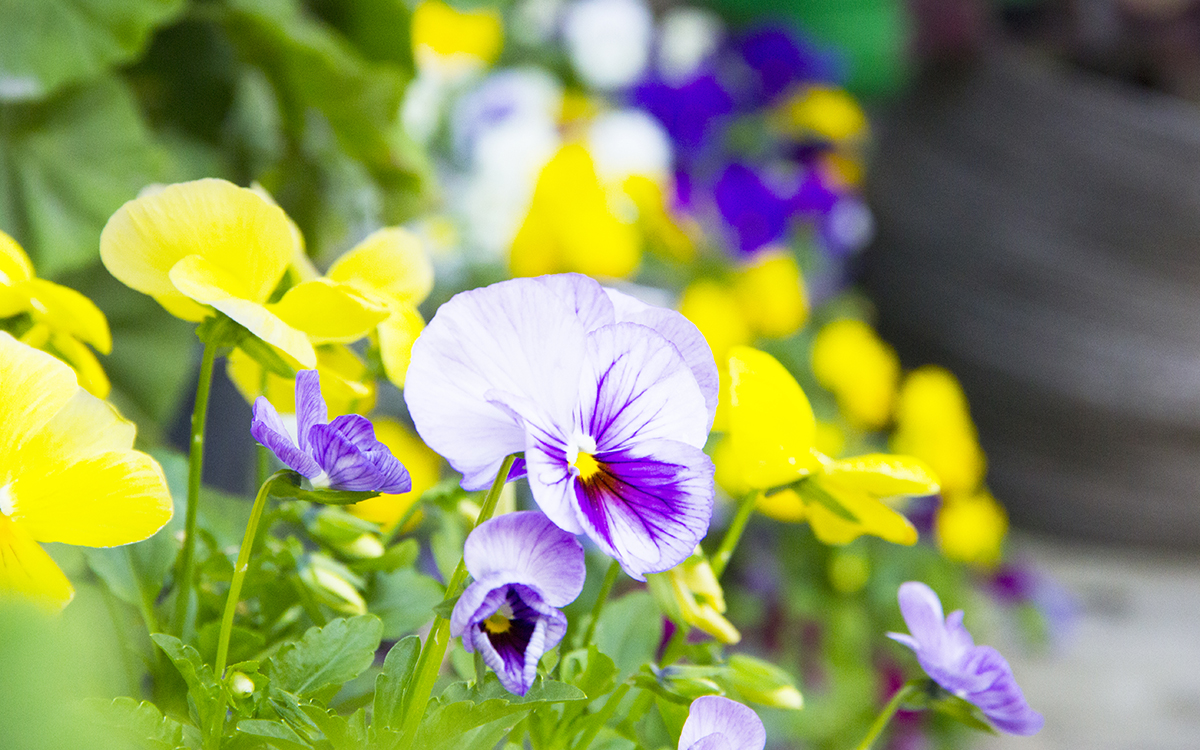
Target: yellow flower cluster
(860, 369)
(60, 320)
(445, 37)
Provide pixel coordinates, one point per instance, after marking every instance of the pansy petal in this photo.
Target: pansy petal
(83, 427)
(310, 405)
(771, 423)
(352, 469)
(391, 265)
(636, 386)
(397, 334)
(510, 337)
(211, 285)
(26, 570)
(233, 228)
(922, 611)
(69, 311)
(683, 335)
(358, 430)
(35, 387)
(327, 312)
(88, 370)
(108, 499)
(14, 263)
(584, 294)
(713, 714)
(268, 429)
(712, 742)
(649, 505)
(513, 655)
(531, 550)
(872, 517)
(882, 475)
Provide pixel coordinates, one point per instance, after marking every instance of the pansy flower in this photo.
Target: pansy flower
(68, 473)
(948, 654)
(609, 399)
(524, 568)
(716, 723)
(341, 455)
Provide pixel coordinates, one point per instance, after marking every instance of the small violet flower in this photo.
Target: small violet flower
(948, 654)
(341, 455)
(524, 568)
(610, 400)
(716, 723)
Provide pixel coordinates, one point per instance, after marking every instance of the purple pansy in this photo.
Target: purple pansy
(716, 723)
(687, 111)
(341, 455)
(778, 59)
(610, 400)
(751, 209)
(948, 654)
(524, 568)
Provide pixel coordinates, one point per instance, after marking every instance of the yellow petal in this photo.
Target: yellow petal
(882, 475)
(88, 370)
(68, 311)
(14, 299)
(439, 29)
(35, 387)
(396, 337)
(83, 427)
(859, 368)
(328, 312)
(182, 307)
(105, 500)
(873, 518)
(14, 263)
(770, 292)
(345, 382)
(390, 265)
(27, 571)
(784, 505)
(770, 420)
(210, 285)
(827, 112)
(232, 228)
(971, 528)
(424, 467)
(714, 310)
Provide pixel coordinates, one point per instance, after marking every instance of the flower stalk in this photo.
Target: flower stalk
(908, 689)
(610, 578)
(734, 534)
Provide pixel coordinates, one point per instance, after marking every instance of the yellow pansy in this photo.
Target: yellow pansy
(971, 528)
(770, 292)
(211, 245)
(61, 321)
(934, 424)
(68, 474)
(443, 35)
(825, 112)
(714, 310)
(690, 594)
(772, 432)
(346, 384)
(575, 224)
(424, 467)
(859, 368)
(664, 233)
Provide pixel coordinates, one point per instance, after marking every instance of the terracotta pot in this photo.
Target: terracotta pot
(1039, 233)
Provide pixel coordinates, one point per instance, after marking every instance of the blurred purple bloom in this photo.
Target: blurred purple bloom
(689, 111)
(341, 455)
(779, 59)
(524, 568)
(610, 399)
(752, 210)
(948, 654)
(716, 723)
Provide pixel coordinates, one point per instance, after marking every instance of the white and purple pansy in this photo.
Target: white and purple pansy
(341, 455)
(716, 723)
(948, 654)
(610, 400)
(525, 568)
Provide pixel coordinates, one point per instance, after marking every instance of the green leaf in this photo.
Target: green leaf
(203, 690)
(66, 165)
(629, 631)
(400, 555)
(328, 656)
(404, 600)
(467, 717)
(815, 493)
(47, 44)
(963, 712)
(344, 733)
(290, 485)
(392, 683)
(276, 734)
(141, 723)
(445, 608)
(591, 671)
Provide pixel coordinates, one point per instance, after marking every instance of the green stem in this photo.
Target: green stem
(734, 534)
(239, 572)
(601, 718)
(398, 528)
(187, 556)
(610, 578)
(429, 663)
(888, 712)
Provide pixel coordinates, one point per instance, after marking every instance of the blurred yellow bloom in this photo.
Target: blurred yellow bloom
(62, 321)
(424, 467)
(68, 474)
(663, 232)
(573, 223)
(934, 424)
(859, 368)
(971, 528)
(770, 292)
(346, 384)
(442, 34)
(825, 112)
(772, 432)
(690, 594)
(210, 245)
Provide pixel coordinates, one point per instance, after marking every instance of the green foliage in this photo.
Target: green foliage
(629, 631)
(327, 657)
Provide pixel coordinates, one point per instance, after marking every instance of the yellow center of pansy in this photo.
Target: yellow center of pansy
(501, 619)
(587, 465)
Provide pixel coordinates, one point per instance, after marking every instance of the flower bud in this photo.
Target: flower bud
(762, 682)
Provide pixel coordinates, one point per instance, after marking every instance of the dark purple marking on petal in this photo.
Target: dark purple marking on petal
(358, 430)
(310, 406)
(533, 628)
(349, 468)
(267, 428)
